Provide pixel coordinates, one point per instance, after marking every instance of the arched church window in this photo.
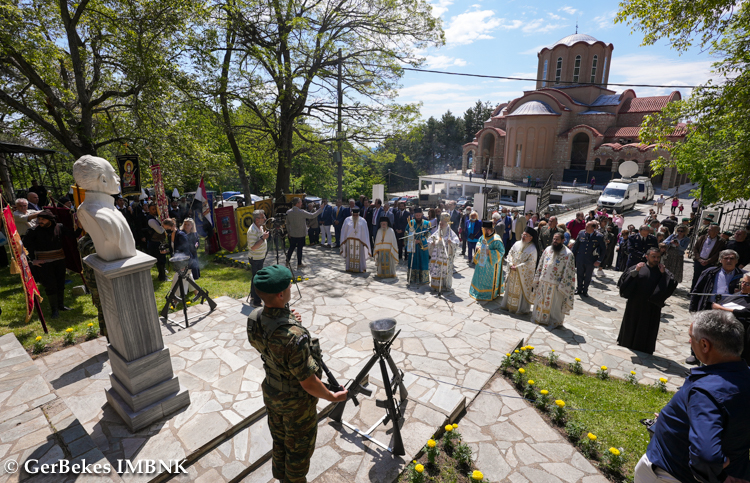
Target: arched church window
(593, 69)
(544, 74)
(604, 70)
(558, 71)
(577, 68)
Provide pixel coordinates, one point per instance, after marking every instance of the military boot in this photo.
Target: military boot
(53, 305)
(61, 302)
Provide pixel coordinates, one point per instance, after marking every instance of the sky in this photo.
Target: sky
(503, 37)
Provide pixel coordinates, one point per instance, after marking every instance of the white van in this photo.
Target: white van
(645, 189)
(619, 195)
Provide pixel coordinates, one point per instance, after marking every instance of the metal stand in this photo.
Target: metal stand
(202, 294)
(382, 355)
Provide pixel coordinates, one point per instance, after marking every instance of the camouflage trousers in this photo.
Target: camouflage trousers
(98, 304)
(293, 422)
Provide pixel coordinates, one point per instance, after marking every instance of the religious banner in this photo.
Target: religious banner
(226, 227)
(244, 220)
(266, 205)
(161, 196)
(19, 256)
(130, 174)
(204, 223)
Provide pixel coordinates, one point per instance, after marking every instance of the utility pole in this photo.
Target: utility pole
(339, 135)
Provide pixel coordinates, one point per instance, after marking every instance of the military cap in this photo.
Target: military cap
(710, 216)
(714, 224)
(273, 279)
(728, 232)
(686, 219)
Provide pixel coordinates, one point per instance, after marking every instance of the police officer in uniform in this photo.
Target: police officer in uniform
(292, 387)
(155, 236)
(589, 250)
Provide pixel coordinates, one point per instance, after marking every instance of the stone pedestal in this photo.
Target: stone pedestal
(144, 388)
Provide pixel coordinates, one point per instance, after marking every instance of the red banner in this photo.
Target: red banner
(226, 227)
(19, 255)
(161, 195)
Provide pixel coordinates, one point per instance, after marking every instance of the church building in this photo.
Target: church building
(572, 126)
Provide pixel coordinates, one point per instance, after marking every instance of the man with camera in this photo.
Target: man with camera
(296, 226)
(257, 247)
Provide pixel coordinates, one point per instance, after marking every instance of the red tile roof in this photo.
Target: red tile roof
(622, 132)
(645, 104)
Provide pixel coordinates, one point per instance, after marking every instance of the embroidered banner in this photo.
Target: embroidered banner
(244, 220)
(19, 255)
(226, 227)
(130, 174)
(159, 193)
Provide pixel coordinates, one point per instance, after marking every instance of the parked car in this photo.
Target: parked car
(394, 200)
(464, 200)
(232, 200)
(558, 208)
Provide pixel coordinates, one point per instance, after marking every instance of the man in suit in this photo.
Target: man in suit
(455, 215)
(508, 233)
(462, 229)
(344, 213)
(400, 220)
(706, 252)
(589, 250)
(638, 245)
(325, 220)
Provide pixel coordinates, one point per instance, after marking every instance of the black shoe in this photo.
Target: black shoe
(584, 294)
(578, 292)
(692, 360)
(55, 314)
(64, 308)
(163, 278)
(300, 265)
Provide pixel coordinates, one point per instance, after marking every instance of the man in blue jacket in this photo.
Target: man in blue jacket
(703, 433)
(325, 219)
(589, 250)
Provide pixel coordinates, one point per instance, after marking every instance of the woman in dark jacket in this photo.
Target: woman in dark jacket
(188, 227)
(178, 243)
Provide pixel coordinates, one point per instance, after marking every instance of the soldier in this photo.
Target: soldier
(638, 245)
(291, 359)
(85, 248)
(589, 250)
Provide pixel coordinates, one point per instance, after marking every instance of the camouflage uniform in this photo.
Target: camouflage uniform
(85, 248)
(290, 355)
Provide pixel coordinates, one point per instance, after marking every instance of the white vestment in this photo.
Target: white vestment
(517, 297)
(442, 245)
(355, 244)
(554, 287)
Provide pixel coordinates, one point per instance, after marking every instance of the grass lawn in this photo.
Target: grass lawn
(616, 425)
(217, 279)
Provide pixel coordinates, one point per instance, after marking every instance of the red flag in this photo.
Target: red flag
(19, 255)
(161, 196)
(226, 227)
(202, 196)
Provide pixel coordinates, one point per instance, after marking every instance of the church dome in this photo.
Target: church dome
(573, 39)
(534, 108)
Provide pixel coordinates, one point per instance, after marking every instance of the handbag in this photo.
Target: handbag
(3, 239)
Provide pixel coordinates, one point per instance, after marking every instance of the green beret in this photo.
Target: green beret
(728, 232)
(273, 279)
(714, 224)
(686, 219)
(710, 216)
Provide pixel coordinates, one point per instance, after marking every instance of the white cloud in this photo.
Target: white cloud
(440, 7)
(630, 69)
(553, 16)
(568, 10)
(440, 61)
(468, 27)
(534, 50)
(539, 26)
(605, 21)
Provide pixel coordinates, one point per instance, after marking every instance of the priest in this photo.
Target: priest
(386, 250)
(418, 257)
(487, 282)
(355, 242)
(521, 263)
(554, 284)
(647, 287)
(442, 247)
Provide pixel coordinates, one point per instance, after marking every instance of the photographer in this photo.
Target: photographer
(296, 227)
(257, 246)
(177, 242)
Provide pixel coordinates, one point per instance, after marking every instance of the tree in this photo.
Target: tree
(76, 71)
(715, 150)
(284, 63)
(474, 119)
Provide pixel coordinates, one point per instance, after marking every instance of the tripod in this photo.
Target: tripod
(182, 277)
(382, 355)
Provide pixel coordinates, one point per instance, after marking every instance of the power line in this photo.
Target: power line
(482, 76)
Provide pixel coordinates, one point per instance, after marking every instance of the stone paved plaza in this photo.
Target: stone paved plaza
(55, 406)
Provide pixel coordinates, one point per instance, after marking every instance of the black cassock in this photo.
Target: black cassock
(646, 290)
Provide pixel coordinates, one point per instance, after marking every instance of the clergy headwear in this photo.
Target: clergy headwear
(46, 214)
(355, 210)
(417, 210)
(487, 224)
(273, 279)
(384, 218)
(445, 216)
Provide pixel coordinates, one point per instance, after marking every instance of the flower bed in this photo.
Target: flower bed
(598, 413)
(446, 459)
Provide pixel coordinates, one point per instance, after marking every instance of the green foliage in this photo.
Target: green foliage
(574, 429)
(462, 454)
(474, 119)
(716, 150)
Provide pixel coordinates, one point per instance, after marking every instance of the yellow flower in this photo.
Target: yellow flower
(578, 359)
(455, 426)
(530, 347)
(38, 338)
(516, 351)
(591, 436)
(448, 428)
(419, 468)
(523, 348)
(477, 475)
(91, 324)
(415, 462)
(307, 279)
(614, 451)
(663, 379)
(632, 372)
(188, 302)
(604, 368)
(553, 350)
(560, 403)
(522, 370)
(507, 354)
(431, 443)
(544, 392)
(531, 382)
(69, 330)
